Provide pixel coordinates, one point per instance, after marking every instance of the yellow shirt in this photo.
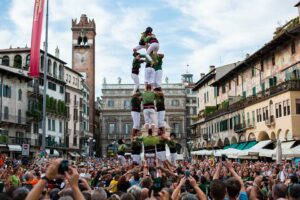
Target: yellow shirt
(113, 184)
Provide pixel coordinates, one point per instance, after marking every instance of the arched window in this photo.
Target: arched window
(5, 60)
(18, 61)
(79, 40)
(85, 40)
(49, 66)
(61, 72)
(54, 69)
(42, 63)
(20, 95)
(27, 61)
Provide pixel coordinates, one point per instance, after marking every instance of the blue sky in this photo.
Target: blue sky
(195, 32)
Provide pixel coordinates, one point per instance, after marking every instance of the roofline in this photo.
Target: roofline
(14, 50)
(199, 83)
(297, 4)
(3, 70)
(72, 70)
(263, 50)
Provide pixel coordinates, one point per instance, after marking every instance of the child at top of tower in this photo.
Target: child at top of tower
(136, 65)
(149, 41)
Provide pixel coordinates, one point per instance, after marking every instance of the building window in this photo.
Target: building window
(127, 129)
(53, 125)
(288, 108)
(293, 47)
(19, 116)
(273, 60)
(298, 106)
(110, 103)
(49, 124)
(276, 110)
(237, 80)
(264, 114)
(223, 88)
(175, 102)
(54, 69)
(254, 91)
(229, 85)
(75, 141)
(253, 117)
(280, 110)
(176, 128)
(6, 112)
(5, 61)
(35, 128)
(52, 86)
(42, 63)
(223, 125)
(253, 72)
(230, 123)
(6, 91)
(112, 128)
(60, 126)
(49, 67)
(20, 95)
(75, 115)
(18, 61)
(126, 104)
(27, 62)
(61, 89)
(262, 65)
(244, 94)
(284, 108)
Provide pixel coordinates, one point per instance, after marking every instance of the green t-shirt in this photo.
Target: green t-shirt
(171, 144)
(148, 38)
(148, 98)
(150, 140)
(15, 180)
(158, 61)
(122, 148)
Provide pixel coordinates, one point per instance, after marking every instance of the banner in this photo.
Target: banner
(37, 26)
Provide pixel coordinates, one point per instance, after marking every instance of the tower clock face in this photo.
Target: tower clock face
(81, 58)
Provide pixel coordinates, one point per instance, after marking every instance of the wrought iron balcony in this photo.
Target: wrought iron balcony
(240, 128)
(270, 121)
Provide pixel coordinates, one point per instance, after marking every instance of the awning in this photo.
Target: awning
(14, 147)
(83, 154)
(55, 152)
(74, 154)
(255, 150)
(289, 153)
(269, 152)
(202, 152)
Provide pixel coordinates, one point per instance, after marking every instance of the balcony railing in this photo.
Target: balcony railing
(205, 136)
(19, 140)
(14, 119)
(291, 85)
(239, 128)
(270, 121)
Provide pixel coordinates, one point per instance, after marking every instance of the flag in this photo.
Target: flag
(37, 25)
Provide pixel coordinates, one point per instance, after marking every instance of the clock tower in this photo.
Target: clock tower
(83, 57)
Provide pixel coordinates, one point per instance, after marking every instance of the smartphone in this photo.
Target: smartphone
(187, 173)
(63, 167)
(223, 158)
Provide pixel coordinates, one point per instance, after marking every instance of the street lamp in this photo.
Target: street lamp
(91, 143)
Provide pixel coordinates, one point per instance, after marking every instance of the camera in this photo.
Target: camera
(187, 174)
(223, 158)
(63, 167)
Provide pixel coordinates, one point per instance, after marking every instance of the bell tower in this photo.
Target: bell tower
(83, 57)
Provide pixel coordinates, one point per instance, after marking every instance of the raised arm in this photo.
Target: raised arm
(235, 175)
(176, 192)
(217, 172)
(199, 192)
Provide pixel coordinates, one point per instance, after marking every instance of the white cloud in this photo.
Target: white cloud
(225, 30)
(233, 27)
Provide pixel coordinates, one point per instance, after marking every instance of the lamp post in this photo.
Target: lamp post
(91, 143)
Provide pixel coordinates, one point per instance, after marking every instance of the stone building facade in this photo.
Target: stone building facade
(258, 99)
(116, 119)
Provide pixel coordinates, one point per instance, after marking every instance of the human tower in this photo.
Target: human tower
(152, 103)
